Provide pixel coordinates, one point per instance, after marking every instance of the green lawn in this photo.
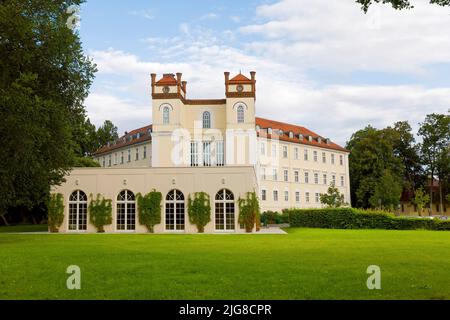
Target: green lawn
(304, 264)
(24, 228)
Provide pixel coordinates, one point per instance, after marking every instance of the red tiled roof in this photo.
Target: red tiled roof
(167, 79)
(261, 122)
(125, 141)
(285, 127)
(240, 78)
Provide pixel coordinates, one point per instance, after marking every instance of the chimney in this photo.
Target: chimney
(183, 85)
(153, 76)
(227, 78)
(179, 74)
(253, 75)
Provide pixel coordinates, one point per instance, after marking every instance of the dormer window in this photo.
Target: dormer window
(240, 114)
(258, 128)
(310, 138)
(269, 130)
(291, 134)
(206, 120)
(300, 136)
(319, 139)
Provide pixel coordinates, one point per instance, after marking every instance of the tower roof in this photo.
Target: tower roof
(240, 78)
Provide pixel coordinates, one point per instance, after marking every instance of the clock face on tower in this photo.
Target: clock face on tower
(166, 89)
(240, 88)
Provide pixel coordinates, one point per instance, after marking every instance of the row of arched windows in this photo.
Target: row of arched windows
(174, 211)
(206, 116)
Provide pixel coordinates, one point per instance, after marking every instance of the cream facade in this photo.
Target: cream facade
(214, 145)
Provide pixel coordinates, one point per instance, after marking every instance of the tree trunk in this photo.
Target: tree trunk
(441, 205)
(431, 192)
(4, 218)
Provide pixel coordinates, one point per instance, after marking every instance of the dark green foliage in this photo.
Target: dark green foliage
(350, 218)
(100, 212)
(333, 198)
(149, 209)
(249, 213)
(399, 4)
(273, 217)
(55, 207)
(199, 210)
(44, 79)
(84, 162)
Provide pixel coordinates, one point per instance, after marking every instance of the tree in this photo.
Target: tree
(371, 154)
(106, 133)
(435, 146)
(398, 4)
(387, 192)
(421, 199)
(333, 198)
(149, 209)
(44, 80)
(199, 210)
(249, 212)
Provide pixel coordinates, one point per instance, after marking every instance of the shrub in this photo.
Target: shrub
(249, 214)
(350, 218)
(273, 217)
(149, 209)
(100, 212)
(199, 210)
(55, 209)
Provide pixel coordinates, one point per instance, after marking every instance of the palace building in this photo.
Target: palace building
(217, 146)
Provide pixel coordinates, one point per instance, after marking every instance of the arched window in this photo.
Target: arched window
(175, 210)
(166, 117)
(206, 120)
(224, 210)
(126, 211)
(78, 211)
(240, 114)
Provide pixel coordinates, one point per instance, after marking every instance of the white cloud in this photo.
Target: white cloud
(209, 16)
(337, 35)
(298, 34)
(146, 13)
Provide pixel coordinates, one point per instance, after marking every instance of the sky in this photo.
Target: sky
(322, 64)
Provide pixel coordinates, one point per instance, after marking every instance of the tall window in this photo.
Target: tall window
(240, 114)
(224, 210)
(207, 153)
(316, 178)
(306, 177)
(317, 197)
(332, 158)
(296, 176)
(78, 211)
(104, 164)
(324, 157)
(315, 156)
(307, 197)
(175, 210)
(342, 181)
(275, 195)
(109, 161)
(285, 152)
(275, 174)
(325, 179)
(286, 175)
(145, 152)
(296, 153)
(219, 154)
(274, 151)
(194, 154)
(305, 154)
(129, 155)
(286, 196)
(297, 196)
(137, 154)
(333, 179)
(126, 211)
(341, 160)
(206, 120)
(121, 157)
(263, 195)
(166, 117)
(263, 173)
(263, 148)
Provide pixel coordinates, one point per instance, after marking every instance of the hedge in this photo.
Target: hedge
(273, 217)
(350, 218)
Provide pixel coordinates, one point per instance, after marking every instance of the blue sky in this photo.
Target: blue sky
(321, 64)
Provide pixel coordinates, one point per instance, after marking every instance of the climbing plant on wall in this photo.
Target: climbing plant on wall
(55, 209)
(249, 212)
(199, 210)
(149, 209)
(100, 212)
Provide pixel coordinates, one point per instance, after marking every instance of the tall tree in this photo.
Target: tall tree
(44, 79)
(435, 146)
(371, 156)
(106, 133)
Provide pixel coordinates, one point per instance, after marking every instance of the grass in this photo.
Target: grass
(24, 228)
(304, 264)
